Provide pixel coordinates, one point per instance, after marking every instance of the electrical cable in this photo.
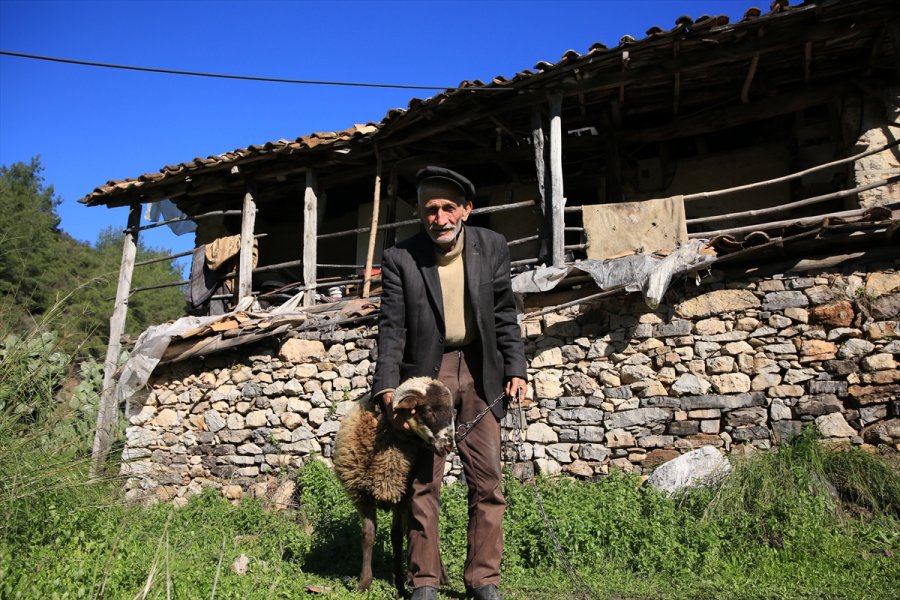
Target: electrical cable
(248, 77)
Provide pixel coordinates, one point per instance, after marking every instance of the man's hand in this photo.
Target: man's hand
(396, 421)
(516, 388)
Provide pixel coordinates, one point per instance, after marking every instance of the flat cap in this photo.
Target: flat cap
(460, 181)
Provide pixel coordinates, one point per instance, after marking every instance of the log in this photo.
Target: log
(557, 196)
(160, 286)
(108, 410)
(163, 258)
(373, 228)
(774, 210)
(540, 166)
(215, 213)
(310, 226)
(245, 260)
(774, 224)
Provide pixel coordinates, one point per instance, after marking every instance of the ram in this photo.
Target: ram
(373, 460)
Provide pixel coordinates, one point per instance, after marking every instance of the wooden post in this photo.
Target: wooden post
(373, 231)
(310, 231)
(557, 197)
(108, 410)
(245, 261)
(540, 167)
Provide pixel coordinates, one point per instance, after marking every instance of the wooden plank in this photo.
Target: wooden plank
(557, 197)
(108, 410)
(373, 228)
(245, 261)
(310, 227)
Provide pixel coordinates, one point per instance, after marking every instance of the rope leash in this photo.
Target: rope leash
(517, 436)
(468, 425)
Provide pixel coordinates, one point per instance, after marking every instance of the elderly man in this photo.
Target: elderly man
(447, 311)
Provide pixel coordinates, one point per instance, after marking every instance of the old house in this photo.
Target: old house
(744, 177)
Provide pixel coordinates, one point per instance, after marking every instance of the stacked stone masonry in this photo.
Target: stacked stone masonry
(732, 364)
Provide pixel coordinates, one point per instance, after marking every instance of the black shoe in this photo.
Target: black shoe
(485, 592)
(425, 593)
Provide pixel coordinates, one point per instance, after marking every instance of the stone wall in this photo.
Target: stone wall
(878, 126)
(737, 365)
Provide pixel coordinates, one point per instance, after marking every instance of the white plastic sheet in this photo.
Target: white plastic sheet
(646, 273)
(152, 344)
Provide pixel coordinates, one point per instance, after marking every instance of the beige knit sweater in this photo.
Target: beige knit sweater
(458, 318)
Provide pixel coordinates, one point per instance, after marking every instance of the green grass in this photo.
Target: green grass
(804, 522)
(625, 540)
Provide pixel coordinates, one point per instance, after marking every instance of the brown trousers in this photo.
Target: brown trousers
(480, 454)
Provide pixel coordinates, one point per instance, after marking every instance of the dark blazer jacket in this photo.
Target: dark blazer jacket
(411, 324)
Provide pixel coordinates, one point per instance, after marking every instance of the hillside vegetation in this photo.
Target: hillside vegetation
(42, 268)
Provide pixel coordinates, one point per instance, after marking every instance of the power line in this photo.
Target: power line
(86, 63)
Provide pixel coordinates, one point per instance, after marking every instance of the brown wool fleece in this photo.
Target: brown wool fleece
(370, 460)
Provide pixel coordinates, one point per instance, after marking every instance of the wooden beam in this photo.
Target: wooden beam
(748, 81)
(245, 259)
(557, 193)
(784, 223)
(310, 228)
(108, 410)
(373, 228)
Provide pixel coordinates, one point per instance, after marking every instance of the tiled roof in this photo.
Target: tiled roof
(597, 55)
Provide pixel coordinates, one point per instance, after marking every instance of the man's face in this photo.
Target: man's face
(443, 214)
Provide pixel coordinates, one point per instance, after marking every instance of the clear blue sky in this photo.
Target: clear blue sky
(90, 125)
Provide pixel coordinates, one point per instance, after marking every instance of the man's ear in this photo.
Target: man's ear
(467, 209)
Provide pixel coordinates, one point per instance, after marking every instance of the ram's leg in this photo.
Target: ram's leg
(398, 532)
(368, 515)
